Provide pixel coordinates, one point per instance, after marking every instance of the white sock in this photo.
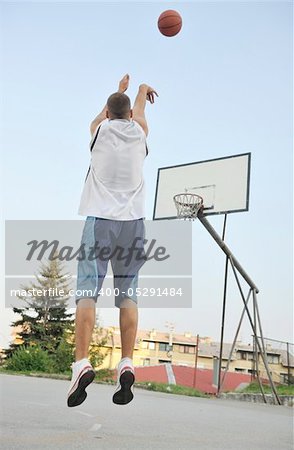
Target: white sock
(84, 360)
(126, 361)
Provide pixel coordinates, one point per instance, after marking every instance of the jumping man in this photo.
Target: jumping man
(113, 203)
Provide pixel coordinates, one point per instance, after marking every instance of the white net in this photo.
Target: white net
(188, 205)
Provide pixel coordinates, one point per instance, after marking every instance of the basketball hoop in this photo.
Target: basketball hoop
(188, 205)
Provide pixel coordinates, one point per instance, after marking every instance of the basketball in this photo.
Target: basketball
(169, 23)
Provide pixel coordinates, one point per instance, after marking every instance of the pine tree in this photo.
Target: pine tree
(44, 321)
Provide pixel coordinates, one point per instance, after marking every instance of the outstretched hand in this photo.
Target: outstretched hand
(150, 94)
(124, 83)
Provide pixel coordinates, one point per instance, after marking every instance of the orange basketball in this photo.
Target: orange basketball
(169, 23)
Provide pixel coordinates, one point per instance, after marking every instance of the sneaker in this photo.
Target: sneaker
(125, 381)
(82, 375)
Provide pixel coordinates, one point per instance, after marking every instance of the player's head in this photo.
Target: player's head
(118, 106)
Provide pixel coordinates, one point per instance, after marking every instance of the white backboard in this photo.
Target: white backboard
(223, 183)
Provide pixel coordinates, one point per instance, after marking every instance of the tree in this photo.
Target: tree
(44, 319)
(45, 323)
(99, 340)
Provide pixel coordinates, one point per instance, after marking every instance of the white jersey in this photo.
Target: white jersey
(114, 186)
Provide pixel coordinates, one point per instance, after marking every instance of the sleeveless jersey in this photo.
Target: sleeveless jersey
(114, 186)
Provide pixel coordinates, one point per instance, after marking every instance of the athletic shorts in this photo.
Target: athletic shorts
(119, 241)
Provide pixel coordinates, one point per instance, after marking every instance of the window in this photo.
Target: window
(148, 344)
(187, 349)
(164, 347)
(238, 369)
(146, 362)
(286, 379)
(273, 359)
(241, 355)
(164, 361)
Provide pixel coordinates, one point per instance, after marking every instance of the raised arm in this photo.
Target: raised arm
(145, 93)
(122, 87)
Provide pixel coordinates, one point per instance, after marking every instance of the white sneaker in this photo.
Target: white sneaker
(125, 380)
(82, 375)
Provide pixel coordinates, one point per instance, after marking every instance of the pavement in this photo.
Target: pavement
(34, 415)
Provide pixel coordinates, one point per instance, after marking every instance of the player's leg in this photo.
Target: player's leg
(84, 326)
(90, 278)
(128, 321)
(82, 371)
(126, 283)
(91, 273)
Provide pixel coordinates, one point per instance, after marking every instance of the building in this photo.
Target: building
(154, 347)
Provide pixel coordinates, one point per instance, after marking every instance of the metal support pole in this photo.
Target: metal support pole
(253, 367)
(276, 397)
(196, 361)
(227, 251)
(256, 355)
(223, 314)
(288, 364)
(234, 341)
(236, 266)
(263, 353)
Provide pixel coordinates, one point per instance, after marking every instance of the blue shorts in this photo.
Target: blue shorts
(121, 242)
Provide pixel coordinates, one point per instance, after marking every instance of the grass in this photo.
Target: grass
(171, 389)
(62, 376)
(253, 388)
(103, 375)
(106, 376)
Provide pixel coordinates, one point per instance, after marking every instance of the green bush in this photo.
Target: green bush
(281, 389)
(63, 357)
(172, 389)
(30, 358)
(105, 375)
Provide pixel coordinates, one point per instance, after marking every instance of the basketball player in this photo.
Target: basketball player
(113, 201)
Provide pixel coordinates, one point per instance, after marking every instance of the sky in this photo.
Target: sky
(225, 88)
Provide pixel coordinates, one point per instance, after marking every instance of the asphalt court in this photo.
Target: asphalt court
(34, 415)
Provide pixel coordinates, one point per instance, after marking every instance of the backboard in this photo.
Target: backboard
(223, 183)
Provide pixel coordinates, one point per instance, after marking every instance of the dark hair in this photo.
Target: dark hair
(118, 105)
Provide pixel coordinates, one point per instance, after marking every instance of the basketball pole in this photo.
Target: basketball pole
(196, 361)
(256, 354)
(223, 313)
(227, 251)
(261, 347)
(236, 266)
(235, 340)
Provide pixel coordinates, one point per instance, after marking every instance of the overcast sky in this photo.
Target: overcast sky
(225, 88)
